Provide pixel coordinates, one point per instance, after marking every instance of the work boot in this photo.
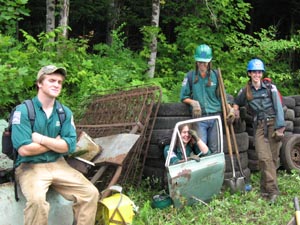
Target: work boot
(272, 198)
(264, 195)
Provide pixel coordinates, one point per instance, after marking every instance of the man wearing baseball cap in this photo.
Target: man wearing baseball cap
(40, 162)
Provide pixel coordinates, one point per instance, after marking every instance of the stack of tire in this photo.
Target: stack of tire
(290, 149)
(252, 156)
(296, 129)
(168, 115)
(242, 139)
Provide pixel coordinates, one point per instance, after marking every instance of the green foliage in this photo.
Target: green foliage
(110, 67)
(221, 24)
(240, 208)
(11, 13)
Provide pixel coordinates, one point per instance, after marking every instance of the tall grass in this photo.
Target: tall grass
(239, 208)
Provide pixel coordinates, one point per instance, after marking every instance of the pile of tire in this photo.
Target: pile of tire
(242, 139)
(168, 115)
(290, 149)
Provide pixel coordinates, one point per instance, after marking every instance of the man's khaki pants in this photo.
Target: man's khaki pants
(268, 153)
(35, 180)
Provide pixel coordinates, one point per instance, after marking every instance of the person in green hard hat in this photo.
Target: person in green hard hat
(200, 89)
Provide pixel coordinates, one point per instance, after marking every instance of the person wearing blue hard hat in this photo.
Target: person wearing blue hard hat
(264, 104)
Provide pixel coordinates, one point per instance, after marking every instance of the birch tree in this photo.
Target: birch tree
(64, 16)
(50, 15)
(153, 45)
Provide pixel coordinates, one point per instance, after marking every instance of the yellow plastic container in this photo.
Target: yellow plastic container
(116, 209)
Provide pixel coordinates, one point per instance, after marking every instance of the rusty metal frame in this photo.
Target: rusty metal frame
(133, 110)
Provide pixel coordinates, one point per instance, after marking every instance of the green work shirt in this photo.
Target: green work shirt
(204, 94)
(22, 132)
(177, 153)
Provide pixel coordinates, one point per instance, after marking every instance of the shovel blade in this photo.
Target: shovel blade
(235, 184)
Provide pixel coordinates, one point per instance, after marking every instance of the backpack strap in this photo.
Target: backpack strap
(61, 112)
(31, 111)
(190, 79)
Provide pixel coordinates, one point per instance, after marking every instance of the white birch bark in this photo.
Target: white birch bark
(64, 16)
(50, 15)
(153, 45)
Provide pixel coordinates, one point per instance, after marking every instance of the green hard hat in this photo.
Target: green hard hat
(203, 53)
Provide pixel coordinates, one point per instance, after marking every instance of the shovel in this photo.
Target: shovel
(237, 151)
(295, 219)
(235, 183)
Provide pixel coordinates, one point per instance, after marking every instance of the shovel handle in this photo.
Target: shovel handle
(297, 213)
(224, 104)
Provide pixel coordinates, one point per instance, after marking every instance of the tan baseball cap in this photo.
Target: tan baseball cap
(51, 69)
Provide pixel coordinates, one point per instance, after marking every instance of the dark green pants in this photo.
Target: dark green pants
(268, 153)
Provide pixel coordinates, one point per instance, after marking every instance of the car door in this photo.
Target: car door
(194, 181)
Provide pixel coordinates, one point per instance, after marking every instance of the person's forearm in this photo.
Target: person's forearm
(202, 146)
(55, 144)
(187, 101)
(32, 149)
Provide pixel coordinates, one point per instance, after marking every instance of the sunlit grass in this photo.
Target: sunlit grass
(240, 208)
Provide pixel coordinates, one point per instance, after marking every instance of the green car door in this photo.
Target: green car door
(192, 180)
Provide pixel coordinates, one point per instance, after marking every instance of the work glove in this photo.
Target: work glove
(278, 134)
(196, 109)
(194, 135)
(194, 157)
(230, 115)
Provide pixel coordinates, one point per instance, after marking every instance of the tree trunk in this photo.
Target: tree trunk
(113, 17)
(64, 16)
(153, 46)
(50, 15)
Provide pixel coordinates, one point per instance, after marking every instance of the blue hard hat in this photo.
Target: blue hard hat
(255, 64)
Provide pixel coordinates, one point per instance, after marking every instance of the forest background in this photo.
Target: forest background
(108, 44)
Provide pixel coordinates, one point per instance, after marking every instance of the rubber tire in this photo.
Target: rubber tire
(297, 121)
(297, 111)
(242, 143)
(253, 165)
(290, 152)
(296, 130)
(289, 115)
(247, 173)
(252, 154)
(297, 99)
(157, 134)
(290, 102)
(173, 109)
(154, 152)
(251, 142)
(168, 122)
(244, 162)
(289, 126)
(239, 127)
(155, 163)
